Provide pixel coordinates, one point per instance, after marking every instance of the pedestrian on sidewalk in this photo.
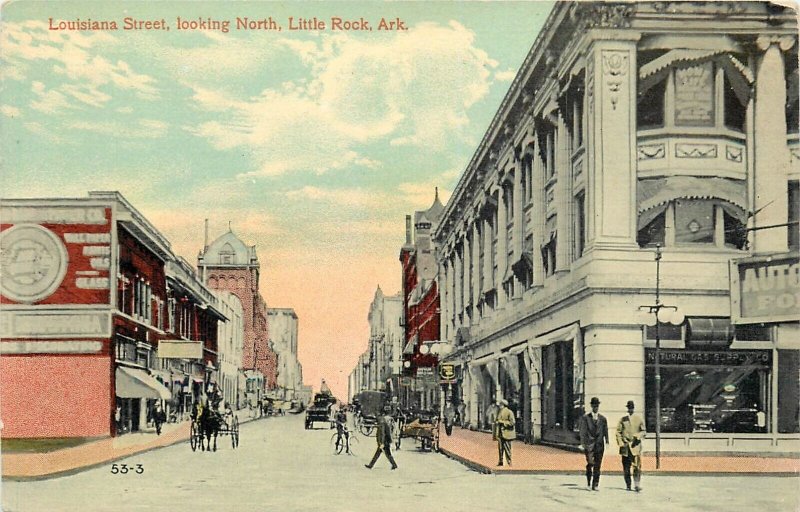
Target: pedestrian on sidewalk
(630, 432)
(383, 437)
(449, 417)
(159, 417)
(593, 429)
(504, 431)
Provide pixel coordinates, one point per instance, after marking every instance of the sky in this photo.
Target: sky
(312, 144)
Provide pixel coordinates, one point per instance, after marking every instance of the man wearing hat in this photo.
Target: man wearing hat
(383, 436)
(593, 429)
(504, 431)
(630, 432)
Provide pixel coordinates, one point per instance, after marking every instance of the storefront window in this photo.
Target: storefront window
(724, 391)
(557, 400)
(789, 391)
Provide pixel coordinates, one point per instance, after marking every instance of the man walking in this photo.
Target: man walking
(593, 429)
(504, 431)
(630, 432)
(383, 436)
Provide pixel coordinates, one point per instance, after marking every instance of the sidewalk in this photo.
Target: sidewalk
(479, 452)
(33, 466)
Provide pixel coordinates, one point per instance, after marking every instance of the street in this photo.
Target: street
(281, 466)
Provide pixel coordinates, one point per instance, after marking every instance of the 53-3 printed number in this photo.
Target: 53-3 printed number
(124, 469)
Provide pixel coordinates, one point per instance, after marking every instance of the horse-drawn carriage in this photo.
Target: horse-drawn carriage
(370, 406)
(208, 423)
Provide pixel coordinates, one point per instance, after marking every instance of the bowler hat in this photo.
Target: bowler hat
(595, 401)
(630, 405)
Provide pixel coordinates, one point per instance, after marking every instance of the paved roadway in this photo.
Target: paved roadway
(282, 467)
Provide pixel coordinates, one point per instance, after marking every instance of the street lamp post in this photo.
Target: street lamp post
(660, 313)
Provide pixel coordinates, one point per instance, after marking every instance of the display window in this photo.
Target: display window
(720, 391)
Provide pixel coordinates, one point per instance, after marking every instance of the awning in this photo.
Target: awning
(135, 383)
(655, 70)
(740, 76)
(654, 194)
(409, 348)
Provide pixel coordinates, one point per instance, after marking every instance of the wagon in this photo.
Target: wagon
(320, 410)
(423, 426)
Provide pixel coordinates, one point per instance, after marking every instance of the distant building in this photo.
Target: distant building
(228, 264)
(283, 326)
(230, 342)
(420, 387)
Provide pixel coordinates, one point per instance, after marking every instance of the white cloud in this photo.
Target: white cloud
(143, 129)
(414, 88)
(89, 78)
(505, 76)
(352, 198)
(9, 111)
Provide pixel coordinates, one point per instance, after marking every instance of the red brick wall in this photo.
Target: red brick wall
(240, 282)
(56, 396)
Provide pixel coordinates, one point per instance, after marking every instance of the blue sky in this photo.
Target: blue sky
(314, 144)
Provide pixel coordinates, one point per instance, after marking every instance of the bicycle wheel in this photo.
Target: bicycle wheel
(337, 444)
(366, 430)
(352, 447)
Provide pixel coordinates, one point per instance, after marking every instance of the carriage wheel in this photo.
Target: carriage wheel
(366, 430)
(235, 432)
(193, 436)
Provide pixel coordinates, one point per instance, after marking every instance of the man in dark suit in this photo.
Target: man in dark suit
(383, 436)
(593, 429)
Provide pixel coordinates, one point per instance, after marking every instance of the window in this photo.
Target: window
(547, 148)
(580, 224)
(788, 391)
(734, 109)
(710, 390)
(694, 95)
(692, 222)
(650, 106)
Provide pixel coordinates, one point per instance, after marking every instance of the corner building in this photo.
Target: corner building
(631, 126)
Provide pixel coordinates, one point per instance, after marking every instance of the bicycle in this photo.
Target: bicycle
(347, 442)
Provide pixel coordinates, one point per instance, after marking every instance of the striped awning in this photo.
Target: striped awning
(654, 194)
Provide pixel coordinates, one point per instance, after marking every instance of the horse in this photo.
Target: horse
(210, 424)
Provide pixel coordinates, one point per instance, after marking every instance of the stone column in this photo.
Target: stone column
(476, 270)
(519, 214)
(563, 200)
(488, 282)
(465, 274)
(502, 246)
(459, 286)
(772, 156)
(538, 213)
(441, 278)
(611, 141)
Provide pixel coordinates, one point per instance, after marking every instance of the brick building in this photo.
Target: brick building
(88, 319)
(421, 309)
(228, 264)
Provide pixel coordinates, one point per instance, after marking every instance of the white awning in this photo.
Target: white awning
(566, 333)
(135, 383)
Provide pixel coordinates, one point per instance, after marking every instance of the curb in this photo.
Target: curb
(486, 470)
(79, 469)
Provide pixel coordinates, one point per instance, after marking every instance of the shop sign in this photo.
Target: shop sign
(62, 324)
(56, 255)
(709, 358)
(447, 373)
(765, 289)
